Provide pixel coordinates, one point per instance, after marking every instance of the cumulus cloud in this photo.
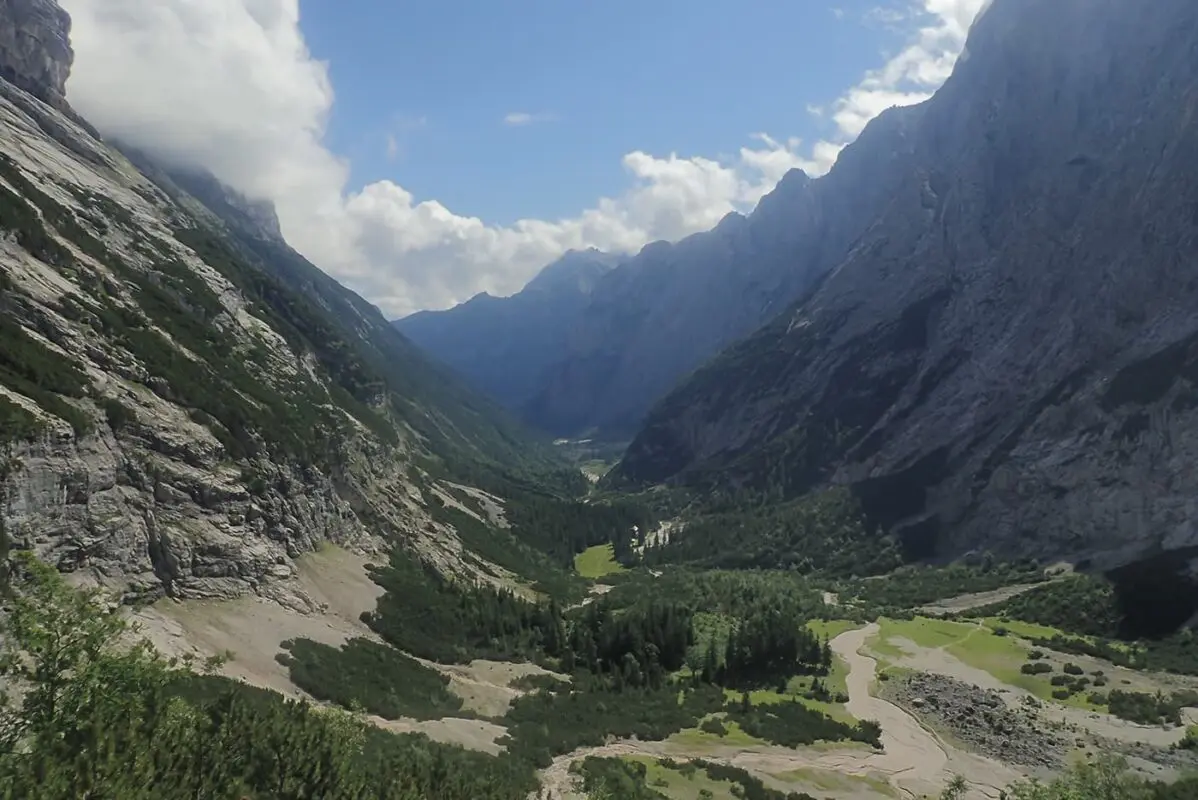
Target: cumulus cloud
(231, 86)
(910, 77)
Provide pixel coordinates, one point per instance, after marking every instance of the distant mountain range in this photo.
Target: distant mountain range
(591, 355)
(504, 345)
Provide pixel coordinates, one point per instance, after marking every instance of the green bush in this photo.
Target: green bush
(370, 676)
(792, 724)
(117, 414)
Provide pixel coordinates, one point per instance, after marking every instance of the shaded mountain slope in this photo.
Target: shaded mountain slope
(1005, 359)
(661, 314)
(504, 345)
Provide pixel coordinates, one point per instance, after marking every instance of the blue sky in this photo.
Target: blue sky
(376, 127)
(694, 77)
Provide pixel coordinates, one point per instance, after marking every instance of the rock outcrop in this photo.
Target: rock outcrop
(187, 404)
(35, 48)
(1006, 357)
(504, 345)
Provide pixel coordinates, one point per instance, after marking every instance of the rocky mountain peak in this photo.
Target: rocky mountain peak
(577, 270)
(35, 48)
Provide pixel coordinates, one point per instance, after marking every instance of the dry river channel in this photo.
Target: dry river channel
(914, 761)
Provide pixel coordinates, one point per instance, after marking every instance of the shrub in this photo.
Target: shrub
(117, 414)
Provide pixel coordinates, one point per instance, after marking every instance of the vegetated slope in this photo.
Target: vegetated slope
(664, 312)
(503, 345)
(185, 402)
(1006, 358)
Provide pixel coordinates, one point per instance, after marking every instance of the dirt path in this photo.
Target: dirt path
(967, 602)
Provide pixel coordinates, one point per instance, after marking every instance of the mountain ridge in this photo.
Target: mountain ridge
(502, 345)
(663, 313)
(1000, 361)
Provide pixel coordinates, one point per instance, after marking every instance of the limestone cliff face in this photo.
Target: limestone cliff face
(1006, 358)
(35, 48)
(186, 404)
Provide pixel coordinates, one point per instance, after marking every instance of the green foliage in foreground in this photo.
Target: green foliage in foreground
(1108, 779)
(95, 719)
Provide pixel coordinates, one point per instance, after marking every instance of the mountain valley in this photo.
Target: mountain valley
(906, 510)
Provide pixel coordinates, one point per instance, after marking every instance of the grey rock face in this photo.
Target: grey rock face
(1005, 358)
(504, 345)
(35, 48)
(165, 462)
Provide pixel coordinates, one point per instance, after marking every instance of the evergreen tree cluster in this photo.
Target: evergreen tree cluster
(424, 613)
(638, 647)
(824, 532)
(563, 528)
(765, 649)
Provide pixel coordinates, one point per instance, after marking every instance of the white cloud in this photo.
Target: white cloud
(907, 78)
(517, 119)
(231, 86)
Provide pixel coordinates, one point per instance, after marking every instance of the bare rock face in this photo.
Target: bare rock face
(35, 48)
(186, 404)
(1005, 359)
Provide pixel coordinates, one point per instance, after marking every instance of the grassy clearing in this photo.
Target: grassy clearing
(681, 785)
(597, 562)
(925, 631)
(831, 628)
(735, 735)
(1026, 630)
(811, 779)
(978, 646)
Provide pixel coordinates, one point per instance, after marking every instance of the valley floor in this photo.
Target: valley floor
(919, 756)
